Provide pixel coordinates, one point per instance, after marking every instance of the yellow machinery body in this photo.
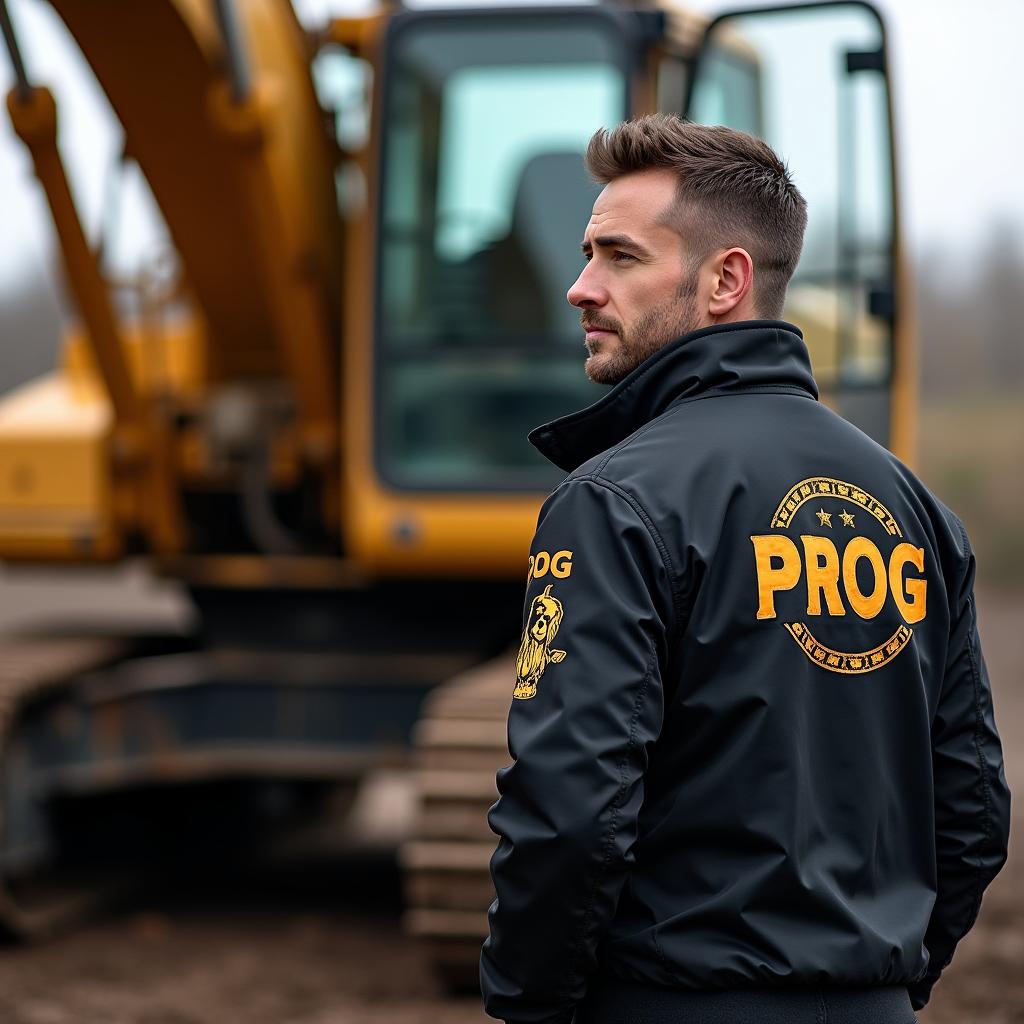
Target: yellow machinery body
(317, 425)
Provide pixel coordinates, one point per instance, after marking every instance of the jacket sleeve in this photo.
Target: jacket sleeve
(972, 801)
(587, 707)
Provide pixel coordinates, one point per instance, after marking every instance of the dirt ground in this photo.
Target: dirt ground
(323, 946)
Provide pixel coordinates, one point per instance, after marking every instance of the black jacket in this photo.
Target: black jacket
(752, 732)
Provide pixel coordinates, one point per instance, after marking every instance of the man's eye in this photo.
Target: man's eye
(615, 255)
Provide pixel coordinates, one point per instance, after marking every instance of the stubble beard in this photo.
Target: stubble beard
(651, 332)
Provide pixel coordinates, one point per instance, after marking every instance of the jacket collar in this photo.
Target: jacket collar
(724, 358)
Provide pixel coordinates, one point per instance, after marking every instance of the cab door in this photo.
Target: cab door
(812, 80)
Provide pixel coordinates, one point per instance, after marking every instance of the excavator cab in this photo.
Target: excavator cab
(481, 123)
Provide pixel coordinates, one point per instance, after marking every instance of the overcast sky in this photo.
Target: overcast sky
(956, 68)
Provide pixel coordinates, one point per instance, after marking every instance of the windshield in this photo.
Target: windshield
(485, 199)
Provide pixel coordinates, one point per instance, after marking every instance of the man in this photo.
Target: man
(756, 775)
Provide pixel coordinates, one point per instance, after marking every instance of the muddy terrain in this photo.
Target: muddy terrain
(322, 945)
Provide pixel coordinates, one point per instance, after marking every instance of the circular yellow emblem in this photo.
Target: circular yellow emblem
(854, 563)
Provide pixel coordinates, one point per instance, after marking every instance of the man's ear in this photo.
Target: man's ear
(732, 288)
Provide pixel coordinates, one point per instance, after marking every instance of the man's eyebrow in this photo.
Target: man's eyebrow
(619, 241)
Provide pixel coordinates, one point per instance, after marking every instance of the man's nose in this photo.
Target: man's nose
(587, 289)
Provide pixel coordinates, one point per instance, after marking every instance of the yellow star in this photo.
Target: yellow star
(825, 518)
(847, 518)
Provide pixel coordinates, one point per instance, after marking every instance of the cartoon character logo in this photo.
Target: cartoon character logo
(535, 653)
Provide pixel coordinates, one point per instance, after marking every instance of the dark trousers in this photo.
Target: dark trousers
(621, 1002)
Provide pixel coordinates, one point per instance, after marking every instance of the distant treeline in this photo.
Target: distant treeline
(971, 318)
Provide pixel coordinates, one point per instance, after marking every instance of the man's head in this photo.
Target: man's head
(696, 226)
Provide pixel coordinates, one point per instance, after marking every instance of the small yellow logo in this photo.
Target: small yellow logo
(535, 651)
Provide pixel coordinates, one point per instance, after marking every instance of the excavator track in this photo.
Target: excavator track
(32, 669)
(460, 742)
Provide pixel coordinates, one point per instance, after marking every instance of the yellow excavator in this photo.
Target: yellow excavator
(316, 423)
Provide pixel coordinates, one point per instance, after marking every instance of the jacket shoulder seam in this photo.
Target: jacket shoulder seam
(652, 530)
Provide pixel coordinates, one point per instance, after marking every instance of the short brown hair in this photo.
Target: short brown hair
(733, 190)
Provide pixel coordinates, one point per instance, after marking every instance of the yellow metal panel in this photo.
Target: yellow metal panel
(55, 493)
(358, 492)
(424, 535)
(358, 34)
(168, 360)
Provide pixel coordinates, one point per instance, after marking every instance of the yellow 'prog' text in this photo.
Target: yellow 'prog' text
(780, 565)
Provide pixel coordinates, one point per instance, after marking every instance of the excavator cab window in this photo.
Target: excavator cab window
(484, 199)
(485, 116)
(811, 80)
